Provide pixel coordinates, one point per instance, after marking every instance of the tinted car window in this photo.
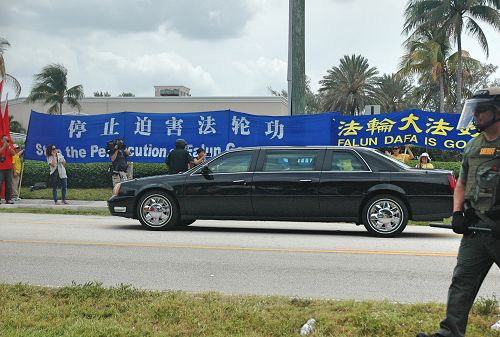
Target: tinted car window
(347, 161)
(287, 160)
(378, 162)
(232, 162)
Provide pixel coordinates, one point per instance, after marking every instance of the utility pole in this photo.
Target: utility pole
(296, 76)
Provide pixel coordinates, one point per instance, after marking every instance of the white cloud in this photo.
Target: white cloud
(140, 74)
(262, 65)
(194, 19)
(263, 73)
(216, 47)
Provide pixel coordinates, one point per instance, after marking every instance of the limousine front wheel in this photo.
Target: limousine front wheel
(157, 210)
(385, 215)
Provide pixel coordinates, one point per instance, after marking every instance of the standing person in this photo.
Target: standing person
(179, 159)
(476, 201)
(6, 154)
(119, 165)
(424, 161)
(402, 157)
(57, 162)
(201, 156)
(16, 172)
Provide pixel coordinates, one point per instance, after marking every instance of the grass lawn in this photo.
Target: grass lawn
(55, 211)
(91, 310)
(99, 194)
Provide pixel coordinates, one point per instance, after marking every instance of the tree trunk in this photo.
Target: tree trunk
(296, 58)
(458, 104)
(441, 93)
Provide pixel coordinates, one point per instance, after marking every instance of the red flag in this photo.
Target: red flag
(6, 121)
(1, 118)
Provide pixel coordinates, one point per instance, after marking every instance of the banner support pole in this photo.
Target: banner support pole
(20, 180)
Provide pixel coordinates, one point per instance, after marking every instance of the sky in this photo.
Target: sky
(214, 47)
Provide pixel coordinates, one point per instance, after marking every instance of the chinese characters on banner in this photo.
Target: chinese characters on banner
(150, 136)
(416, 127)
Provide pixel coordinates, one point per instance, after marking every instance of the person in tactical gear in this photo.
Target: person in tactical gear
(179, 159)
(476, 202)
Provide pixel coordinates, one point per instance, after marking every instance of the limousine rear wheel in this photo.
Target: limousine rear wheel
(385, 215)
(158, 211)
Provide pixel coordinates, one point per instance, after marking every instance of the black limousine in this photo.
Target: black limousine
(321, 183)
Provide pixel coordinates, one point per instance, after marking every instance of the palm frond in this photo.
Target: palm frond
(349, 86)
(54, 109)
(2, 65)
(10, 82)
(50, 87)
(475, 30)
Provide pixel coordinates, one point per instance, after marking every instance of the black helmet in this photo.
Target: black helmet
(487, 99)
(180, 143)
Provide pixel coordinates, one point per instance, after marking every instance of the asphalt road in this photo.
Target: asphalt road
(337, 261)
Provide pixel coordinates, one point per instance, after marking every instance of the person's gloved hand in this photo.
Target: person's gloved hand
(459, 223)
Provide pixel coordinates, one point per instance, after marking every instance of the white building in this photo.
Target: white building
(265, 105)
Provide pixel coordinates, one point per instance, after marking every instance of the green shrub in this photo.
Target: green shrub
(94, 175)
(443, 165)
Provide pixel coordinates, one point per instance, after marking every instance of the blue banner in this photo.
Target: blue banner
(416, 127)
(250, 130)
(151, 136)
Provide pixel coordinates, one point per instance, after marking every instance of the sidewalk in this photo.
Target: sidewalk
(46, 203)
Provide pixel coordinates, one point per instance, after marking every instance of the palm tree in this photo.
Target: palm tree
(9, 80)
(454, 17)
(429, 93)
(469, 65)
(349, 86)
(427, 53)
(15, 126)
(392, 92)
(50, 87)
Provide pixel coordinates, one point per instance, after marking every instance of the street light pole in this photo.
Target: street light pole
(296, 76)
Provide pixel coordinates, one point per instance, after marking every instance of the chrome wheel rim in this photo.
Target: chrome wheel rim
(385, 216)
(156, 210)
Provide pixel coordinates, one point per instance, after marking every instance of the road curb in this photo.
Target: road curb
(43, 203)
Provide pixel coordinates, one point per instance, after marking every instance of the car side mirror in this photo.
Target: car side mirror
(206, 171)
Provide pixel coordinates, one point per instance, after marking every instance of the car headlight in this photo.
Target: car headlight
(116, 189)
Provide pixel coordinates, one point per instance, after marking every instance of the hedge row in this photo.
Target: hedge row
(96, 175)
(93, 175)
(443, 165)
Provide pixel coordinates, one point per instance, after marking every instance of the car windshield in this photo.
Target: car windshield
(391, 158)
(198, 167)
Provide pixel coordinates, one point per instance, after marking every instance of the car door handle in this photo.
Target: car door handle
(305, 180)
(242, 181)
